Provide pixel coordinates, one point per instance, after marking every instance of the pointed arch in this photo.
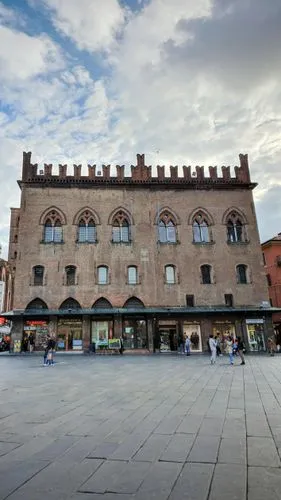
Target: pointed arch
(234, 211)
(87, 213)
(52, 213)
(70, 303)
(102, 303)
(168, 214)
(121, 212)
(204, 213)
(36, 305)
(134, 303)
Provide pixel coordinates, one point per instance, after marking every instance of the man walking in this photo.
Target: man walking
(240, 350)
(213, 348)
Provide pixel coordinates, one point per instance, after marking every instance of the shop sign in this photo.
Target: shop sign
(61, 344)
(29, 328)
(70, 322)
(36, 323)
(77, 345)
(114, 344)
(257, 321)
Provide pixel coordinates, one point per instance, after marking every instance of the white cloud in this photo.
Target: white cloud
(23, 56)
(91, 24)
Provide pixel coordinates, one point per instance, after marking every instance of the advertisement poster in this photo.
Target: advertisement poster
(100, 333)
(114, 344)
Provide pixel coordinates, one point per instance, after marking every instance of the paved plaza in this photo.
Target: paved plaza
(140, 427)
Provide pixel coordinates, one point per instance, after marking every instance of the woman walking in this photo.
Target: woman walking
(229, 350)
(213, 348)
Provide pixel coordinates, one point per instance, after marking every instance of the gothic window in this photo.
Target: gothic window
(206, 276)
(201, 231)
(37, 304)
(170, 275)
(53, 228)
(102, 275)
(120, 228)
(241, 270)
(132, 275)
(234, 228)
(167, 229)
(87, 232)
(70, 275)
(38, 275)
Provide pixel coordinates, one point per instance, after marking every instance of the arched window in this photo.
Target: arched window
(134, 303)
(234, 228)
(70, 275)
(167, 229)
(87, 232)
(200, 226)
(38, 275)
(132, 275)
(241, 270)
(70, 303)
(102, 303)
(53, 228)
(120, 228)
(170, 275)
(206, 276)
(36, 304)
(102, 275)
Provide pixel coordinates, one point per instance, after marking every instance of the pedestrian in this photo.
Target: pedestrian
(51, 349)
(187, 346)
(217, 339)
(241, 349)
(121, 349)
(229, 350)
(213, 348)
(271, 346)
(181, 344)
(31, 342)
(46, 350)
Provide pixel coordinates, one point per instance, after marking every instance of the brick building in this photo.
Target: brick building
(142, 256)
(272, 264)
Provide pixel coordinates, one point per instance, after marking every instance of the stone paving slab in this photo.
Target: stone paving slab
(140, 428)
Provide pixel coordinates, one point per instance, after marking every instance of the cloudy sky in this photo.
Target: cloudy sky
(184, 81)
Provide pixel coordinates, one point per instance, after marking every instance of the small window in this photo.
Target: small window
(102, 275)
(242, 274)
(167, 229)
(190, 300)
(170, 275)
(268, 277)
(132, 275)
(206, 274)
(228, 298)
(70, 273)
(263, 258)
(38, 275)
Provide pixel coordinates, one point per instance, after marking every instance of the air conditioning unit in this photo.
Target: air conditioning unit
(278, 260)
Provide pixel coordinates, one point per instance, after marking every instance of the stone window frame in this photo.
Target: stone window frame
(200, 220)
(121, 223)
(207, 280)
(137, 282)
(175, 275)
(35, 281)
(53, 218)
(107, 282)
(243, 274)
(167, 219)
(236, 227)
(70, 277)
(86, 215)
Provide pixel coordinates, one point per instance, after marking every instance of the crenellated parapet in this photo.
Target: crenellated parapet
(140, 174)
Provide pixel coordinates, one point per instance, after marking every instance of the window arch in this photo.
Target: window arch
(36, 305)
(134, 303)
(170, 274)
(201, 229)
(206, 274)
(87, 232)
(70, 303)
(102, 303)
(121, 228)
(103, 275)
(38, 275)
(167, 228)
(70, 275)
(241, 271)
(53, 228)
(132, 275)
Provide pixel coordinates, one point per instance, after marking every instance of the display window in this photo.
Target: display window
(102, 333)
(35, 334)
(255, 331)
(135, 333)
(221, 331)
(69, 336)
(193, 332)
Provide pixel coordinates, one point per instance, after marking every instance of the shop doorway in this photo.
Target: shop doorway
(135, 333)
(168, 339)
(222, 330)
(69, 337)
(255, 330)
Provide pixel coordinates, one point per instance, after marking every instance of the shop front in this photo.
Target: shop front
(222, 330)
(134, 333)
(192, 330)
(102, 333)
(34, 336)
(69, 334)
(255, 333)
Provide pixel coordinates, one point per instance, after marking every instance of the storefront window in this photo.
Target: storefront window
(135, 334)
(102, 332)
(222, 330)
(193, 332)
(34, 335)
(69, 335)
(255, 330)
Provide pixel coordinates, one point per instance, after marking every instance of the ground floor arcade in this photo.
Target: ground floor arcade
(148, 330)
